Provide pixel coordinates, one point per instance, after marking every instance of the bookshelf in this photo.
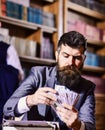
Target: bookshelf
(84, 14)
(35, 31)
(84, 10)
(94, 69)
(37, 61)
(27, 25)
(96, 43)
(74, 12)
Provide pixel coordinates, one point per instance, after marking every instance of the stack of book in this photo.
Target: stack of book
(89, 31)
(91, 4)
(93, 59)
(24, 47)
(18, 10)
(48, 19)
(15, 10)
(46, 49)
(34, 15)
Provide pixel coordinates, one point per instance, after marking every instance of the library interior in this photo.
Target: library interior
(33, 28)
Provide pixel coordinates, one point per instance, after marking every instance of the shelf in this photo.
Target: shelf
(96, 43)
(42, 61)
(85, 11)
(50, 1)
(94, 69)
(100, 95)
(26, 24)
(36, 60)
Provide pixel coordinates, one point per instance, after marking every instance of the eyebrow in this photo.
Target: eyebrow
(72, 55)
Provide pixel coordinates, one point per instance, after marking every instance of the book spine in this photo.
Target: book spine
(30, 13)
(48, 19)
(2, 7)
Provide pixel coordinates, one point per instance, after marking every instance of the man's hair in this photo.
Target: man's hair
(73, 39)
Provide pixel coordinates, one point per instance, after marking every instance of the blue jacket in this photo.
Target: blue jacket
(46, 76)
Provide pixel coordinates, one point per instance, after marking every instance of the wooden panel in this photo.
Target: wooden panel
(100, 122)
(100, 105)
(100, 111)
(36, 36)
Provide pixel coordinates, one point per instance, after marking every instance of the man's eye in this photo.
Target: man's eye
(66, 56)
(77, 57)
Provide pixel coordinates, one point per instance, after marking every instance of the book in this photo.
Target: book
(48, 19)
(31, 48)
(3, 7)
(25, 3)
(47, 49)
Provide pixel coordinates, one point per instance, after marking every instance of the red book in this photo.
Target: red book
(3, 7)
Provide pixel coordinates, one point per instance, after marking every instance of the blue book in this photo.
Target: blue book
(30, 14)
(38, 16)
(12, 9)
(88, 58)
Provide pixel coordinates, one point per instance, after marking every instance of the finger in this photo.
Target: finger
(51, 96)
(46, 98)
(70, 107)
(47, 95)
(47, 89)
(64, 112)
(66, 118)
(45, 101)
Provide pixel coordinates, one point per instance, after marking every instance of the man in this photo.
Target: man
(10, 73)
(35, 96)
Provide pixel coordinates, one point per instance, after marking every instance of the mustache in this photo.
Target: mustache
(68, 69)
(68, 76)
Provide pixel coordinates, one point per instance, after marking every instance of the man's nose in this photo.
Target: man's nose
(70, 60)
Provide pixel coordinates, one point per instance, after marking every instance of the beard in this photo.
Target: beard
(68, 76)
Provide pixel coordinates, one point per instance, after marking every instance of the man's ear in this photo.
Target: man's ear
(56, 55)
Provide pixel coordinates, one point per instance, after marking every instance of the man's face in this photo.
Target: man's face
(69, 63)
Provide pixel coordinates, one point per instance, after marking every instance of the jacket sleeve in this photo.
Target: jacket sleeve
(27, 87)
(87, 110)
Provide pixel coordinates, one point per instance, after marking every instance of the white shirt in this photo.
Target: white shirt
(13, 59)
(23, 108)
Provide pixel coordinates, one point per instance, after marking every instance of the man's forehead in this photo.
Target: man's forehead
(68, 49)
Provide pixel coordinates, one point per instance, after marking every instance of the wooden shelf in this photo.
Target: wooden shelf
(36, 60)
(42, 61)
(50, 1)
(26, 24)
(85, 11)
(94, 69)
(98, 95)
(96, 43)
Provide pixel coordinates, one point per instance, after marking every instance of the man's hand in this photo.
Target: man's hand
(43, 95)
(69, 115)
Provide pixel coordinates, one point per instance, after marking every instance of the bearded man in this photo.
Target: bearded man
(37, 99)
